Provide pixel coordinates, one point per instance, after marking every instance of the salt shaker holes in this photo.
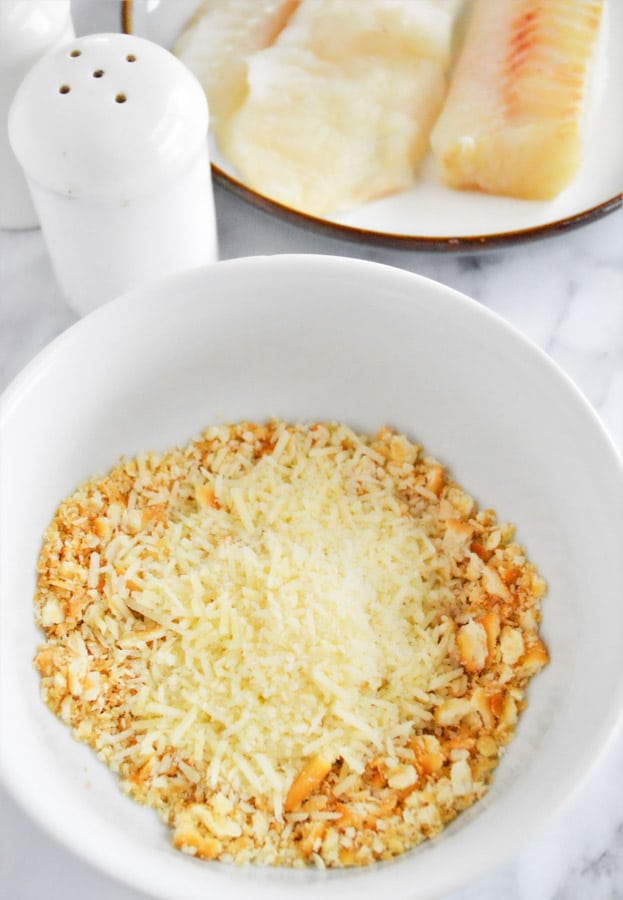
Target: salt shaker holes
(97, 73)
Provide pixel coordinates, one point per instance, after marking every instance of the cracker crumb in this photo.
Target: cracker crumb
(299, 644)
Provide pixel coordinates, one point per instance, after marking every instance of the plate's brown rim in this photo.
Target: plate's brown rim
(398, 241)
(415, 242)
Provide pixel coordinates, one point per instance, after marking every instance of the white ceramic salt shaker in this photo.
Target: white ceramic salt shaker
(28, 29)
(111, 131)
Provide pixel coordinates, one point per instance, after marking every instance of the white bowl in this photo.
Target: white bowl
(305, 337)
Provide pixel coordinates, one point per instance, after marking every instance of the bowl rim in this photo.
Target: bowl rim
(404, 281)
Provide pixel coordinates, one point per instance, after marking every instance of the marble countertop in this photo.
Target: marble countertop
(566, 294)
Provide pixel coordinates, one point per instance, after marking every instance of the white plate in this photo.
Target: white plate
(305, 337)
(430, 216)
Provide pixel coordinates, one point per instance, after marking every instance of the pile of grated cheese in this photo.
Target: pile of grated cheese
(275, 619)
(297, 607)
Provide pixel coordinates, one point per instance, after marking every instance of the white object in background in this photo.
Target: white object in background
(111, 131)
(28, 29)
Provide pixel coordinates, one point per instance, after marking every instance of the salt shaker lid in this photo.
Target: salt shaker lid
(29, 28)
(107, 117)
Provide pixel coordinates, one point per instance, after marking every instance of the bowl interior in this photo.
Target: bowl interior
(304, 338)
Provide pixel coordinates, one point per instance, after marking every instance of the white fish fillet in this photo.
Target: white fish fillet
(216, 43)
(512, 122)
(339, 109)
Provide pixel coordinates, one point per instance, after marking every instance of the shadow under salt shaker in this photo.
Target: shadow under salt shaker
(111, 131)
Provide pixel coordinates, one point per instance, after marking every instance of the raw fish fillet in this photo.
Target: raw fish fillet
(339, 109)
(218, 40)
(512, 121)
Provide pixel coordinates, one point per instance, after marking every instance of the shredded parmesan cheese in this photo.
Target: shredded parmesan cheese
(267, 621)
